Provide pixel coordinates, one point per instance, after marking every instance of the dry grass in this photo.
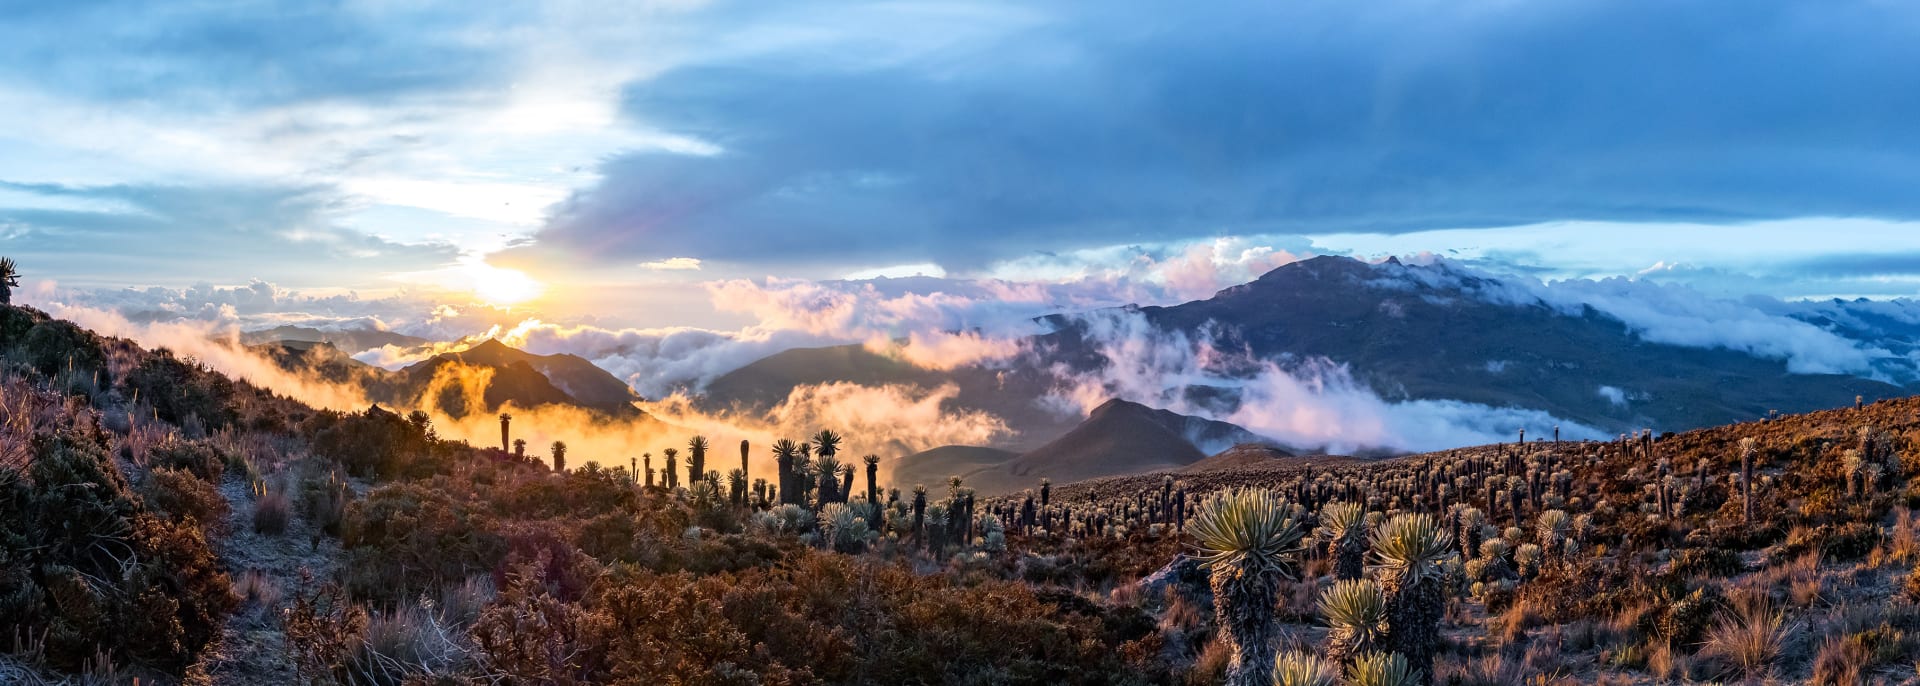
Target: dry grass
(1748, 638)
(24, 412)
(1181, 614)
(1211, 666)
(1806, 591)
(413, 643)
(1839, 662)
(1903, 540)
(1664, 662)
(257, 589)
(271, 510)
(1511, 626)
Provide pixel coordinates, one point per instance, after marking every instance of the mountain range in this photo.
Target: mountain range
(355, 339)
(1401, 332)
(512, 376)
(1404, 333)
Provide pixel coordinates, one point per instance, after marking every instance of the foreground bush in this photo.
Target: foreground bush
(89, 570)
(818, 618)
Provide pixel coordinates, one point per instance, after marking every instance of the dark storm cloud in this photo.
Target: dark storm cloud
(1145, 123)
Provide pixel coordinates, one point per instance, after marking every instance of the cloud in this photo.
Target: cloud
(1657, 312)
(673, 264)
(424, 123)
(1069, 129)
(929, 322)
(1804, 257)
(1309, 403)
(892, 420)
(292, 231)
(1681, 316)
(655, 362)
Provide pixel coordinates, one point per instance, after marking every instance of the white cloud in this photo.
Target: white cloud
(1309, 404)
(673, 264)
(1674, 314)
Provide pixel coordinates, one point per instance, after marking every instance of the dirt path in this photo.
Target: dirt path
(252, 650)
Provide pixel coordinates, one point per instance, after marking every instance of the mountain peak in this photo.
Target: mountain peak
(1113, 405)
(1319, 266)
(491, 346)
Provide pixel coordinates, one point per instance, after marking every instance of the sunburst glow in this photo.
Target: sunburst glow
(497, 286)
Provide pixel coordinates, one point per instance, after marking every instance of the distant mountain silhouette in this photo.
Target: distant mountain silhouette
(931, 468)
(1118, 437)
(330, 363)
(1430, 332)
(349, 340)
(1406, 332)
(1009, 394)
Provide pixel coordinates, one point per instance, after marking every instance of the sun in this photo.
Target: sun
(497, 286)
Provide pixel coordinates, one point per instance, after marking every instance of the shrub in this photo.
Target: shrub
(406, 538)
(91, 571)
(1850, 541)
(198, 457)
(529, 636)
(322, 627)
(182, 497)
(1710, 561)
(53, 346)
(324, 501)
(1881, 644)
(1685, 621)
(178, 390)
(270, 511)
(374, 443)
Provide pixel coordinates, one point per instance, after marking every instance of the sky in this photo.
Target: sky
(681, 165)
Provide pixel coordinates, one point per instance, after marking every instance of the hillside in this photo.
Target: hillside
(325, 360)
(1118, 437)
(573, 376)
(1009, 394)
(1242, 456)
(933, 467)
(272, 541)
(1407, 332)
(514, 377)
(162, 523)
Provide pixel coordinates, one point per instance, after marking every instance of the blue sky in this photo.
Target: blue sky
(623, 155)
